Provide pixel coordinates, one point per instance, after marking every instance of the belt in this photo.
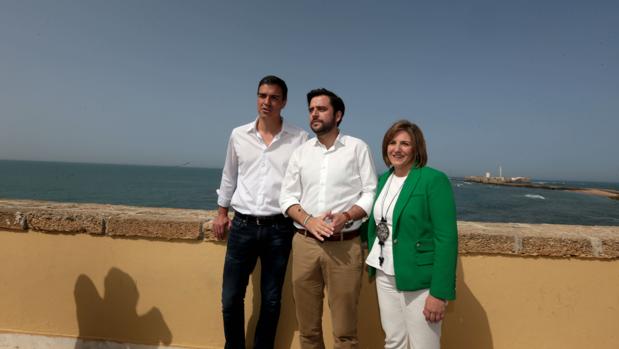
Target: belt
(262, 220)
(346, 235)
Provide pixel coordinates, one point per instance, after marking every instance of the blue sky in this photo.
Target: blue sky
(530, 85)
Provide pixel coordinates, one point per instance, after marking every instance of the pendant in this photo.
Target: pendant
(382, 230)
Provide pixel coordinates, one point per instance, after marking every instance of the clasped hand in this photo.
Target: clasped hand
(326, 224)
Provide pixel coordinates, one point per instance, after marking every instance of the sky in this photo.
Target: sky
(532, 86)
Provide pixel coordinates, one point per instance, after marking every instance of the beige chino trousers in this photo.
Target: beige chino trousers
(338, 265)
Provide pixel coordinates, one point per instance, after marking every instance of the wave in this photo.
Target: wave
(535, 196)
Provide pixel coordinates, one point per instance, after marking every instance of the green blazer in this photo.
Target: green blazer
(425, 234)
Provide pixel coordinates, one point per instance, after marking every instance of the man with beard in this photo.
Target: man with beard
(256, 160)
(328, 189)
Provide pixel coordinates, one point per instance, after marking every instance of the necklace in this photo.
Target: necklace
(382, 229)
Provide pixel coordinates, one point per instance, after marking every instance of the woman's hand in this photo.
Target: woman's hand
(434, 309)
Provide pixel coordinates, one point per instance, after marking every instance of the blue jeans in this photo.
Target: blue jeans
(246, 243)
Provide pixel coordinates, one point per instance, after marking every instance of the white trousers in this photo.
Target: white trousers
(401, 315)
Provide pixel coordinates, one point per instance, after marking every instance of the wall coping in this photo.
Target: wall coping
(514, 239)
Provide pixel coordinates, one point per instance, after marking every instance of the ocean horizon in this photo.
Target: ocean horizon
(194, 188)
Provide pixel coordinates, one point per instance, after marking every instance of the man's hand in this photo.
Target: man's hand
(337, 220)
(434, 309)
(320, 226)
(221, 223)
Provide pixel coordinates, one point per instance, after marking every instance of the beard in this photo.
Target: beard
(324, 127)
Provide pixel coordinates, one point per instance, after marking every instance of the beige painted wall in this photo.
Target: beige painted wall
(169, 292)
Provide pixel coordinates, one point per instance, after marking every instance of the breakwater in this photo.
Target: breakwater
(609, 193)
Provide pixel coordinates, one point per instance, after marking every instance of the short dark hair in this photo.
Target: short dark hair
(420, 158)
(274, 80)
(336, 102)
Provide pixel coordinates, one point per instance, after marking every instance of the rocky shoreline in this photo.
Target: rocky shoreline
(608, 193)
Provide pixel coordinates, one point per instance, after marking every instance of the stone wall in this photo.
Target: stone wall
(515, 239)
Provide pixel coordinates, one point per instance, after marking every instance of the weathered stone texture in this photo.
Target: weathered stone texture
(65, 222)
(610, 248)
(12, 219)
(486, 238)
(485, 243)
(557, 246)
(158, 223)
(551, 240)
(151, 227)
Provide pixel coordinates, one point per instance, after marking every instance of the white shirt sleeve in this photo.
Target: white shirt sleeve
(367, 172)
(290, 193)
(228, 175)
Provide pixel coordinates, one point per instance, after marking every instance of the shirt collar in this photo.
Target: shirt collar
(252, 127)
(340, 139)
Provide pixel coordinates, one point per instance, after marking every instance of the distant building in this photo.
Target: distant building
(496, 180)
(488, 178)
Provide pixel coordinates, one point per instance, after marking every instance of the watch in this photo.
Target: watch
(349, 220)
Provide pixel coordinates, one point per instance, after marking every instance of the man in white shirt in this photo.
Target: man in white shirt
(328, 190)
(256, 160)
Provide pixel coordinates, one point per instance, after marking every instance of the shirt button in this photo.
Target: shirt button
(418, 244)
(395, 241)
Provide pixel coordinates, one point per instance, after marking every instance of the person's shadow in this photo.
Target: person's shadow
(466, 323)
(114, 316)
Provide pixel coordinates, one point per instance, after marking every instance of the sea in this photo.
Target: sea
(187, 187)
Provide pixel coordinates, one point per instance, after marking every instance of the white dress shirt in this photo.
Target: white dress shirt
(384, 206)
(335, 179)
(253, 172)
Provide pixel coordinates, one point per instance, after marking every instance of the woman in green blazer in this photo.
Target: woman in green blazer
(413, 242)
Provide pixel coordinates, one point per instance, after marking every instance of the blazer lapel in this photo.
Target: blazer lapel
(382, 180)
(407, 190)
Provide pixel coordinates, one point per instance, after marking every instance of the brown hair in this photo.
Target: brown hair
(420, 157)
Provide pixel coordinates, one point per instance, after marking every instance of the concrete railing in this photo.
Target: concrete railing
(510, 269)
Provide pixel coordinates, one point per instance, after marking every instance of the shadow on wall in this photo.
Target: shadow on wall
(114, 317)
(369, 329)
(466, 323)
(287, 324)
